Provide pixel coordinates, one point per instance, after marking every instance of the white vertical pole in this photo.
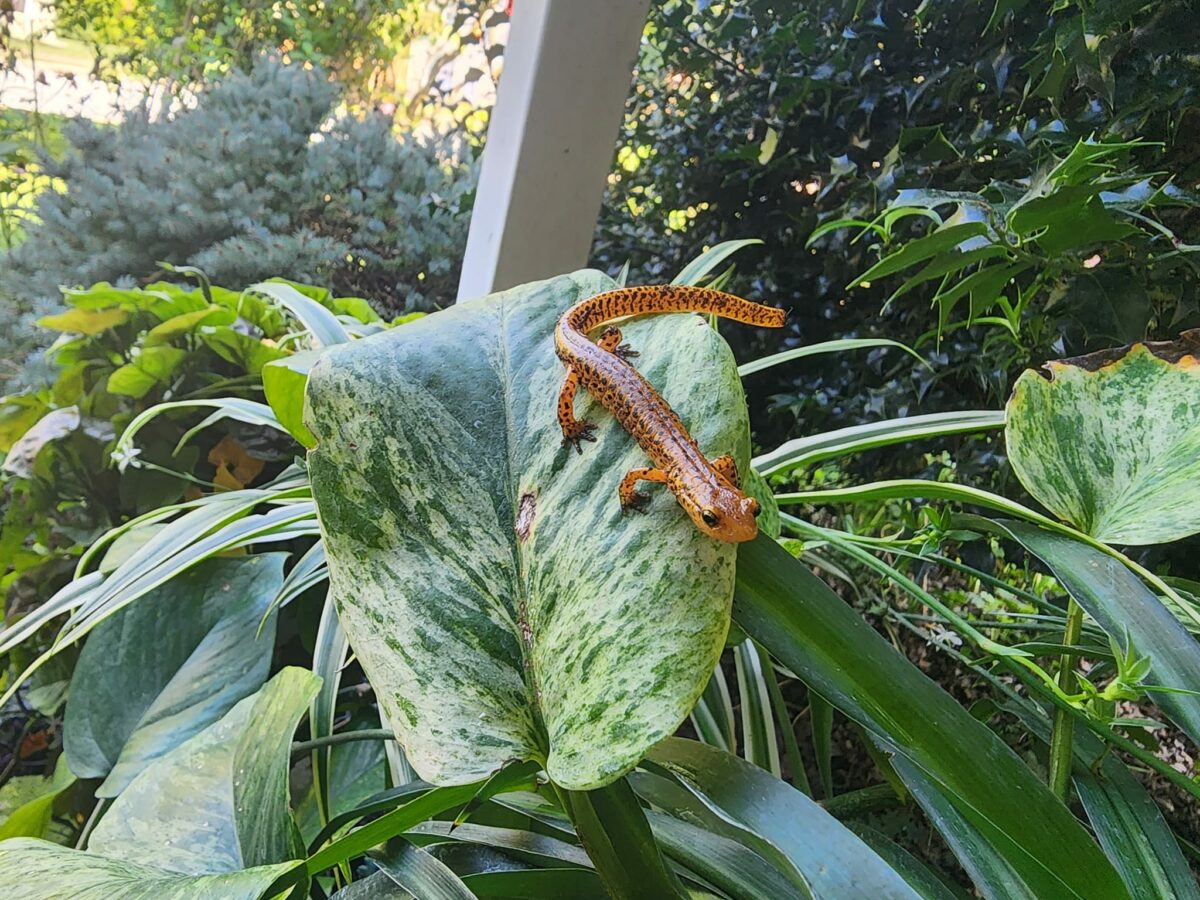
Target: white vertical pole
(567, 69)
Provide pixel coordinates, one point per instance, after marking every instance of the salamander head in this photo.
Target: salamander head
(721, 512)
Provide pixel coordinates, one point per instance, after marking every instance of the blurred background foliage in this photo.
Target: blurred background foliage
(238, 186)
(366, 45)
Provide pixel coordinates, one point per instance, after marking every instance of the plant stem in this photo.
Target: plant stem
(344, 737)
(1063, 734)
(98, 810)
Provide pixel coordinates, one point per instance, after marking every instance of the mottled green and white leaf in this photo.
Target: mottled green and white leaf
(499, 600)
(38, 870)
(1111, 442)
(162, 670)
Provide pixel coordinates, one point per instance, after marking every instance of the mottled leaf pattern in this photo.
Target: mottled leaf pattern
(38, 870)
(1111, 443)
(499, 600)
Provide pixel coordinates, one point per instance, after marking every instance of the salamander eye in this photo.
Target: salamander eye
(755, 509)
(709, 517)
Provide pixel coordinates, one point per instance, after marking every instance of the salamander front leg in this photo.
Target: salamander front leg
(727, 469)
(631, 497)
(574, 430)
(610, 340)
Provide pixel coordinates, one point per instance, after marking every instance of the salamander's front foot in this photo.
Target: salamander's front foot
(576, 432)
(637, 501)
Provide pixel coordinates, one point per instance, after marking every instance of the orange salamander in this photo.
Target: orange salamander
(708, 490)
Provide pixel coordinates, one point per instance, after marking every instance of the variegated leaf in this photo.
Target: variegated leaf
(1110, 442)
(498, 599)
(38, 870)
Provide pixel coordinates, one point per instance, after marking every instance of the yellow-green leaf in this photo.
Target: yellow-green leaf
(283, 384)
(151, 367)
(85, 321)
(187, 322)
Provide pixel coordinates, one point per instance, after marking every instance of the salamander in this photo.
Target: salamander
(708, 490)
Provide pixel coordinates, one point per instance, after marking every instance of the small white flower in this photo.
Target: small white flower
(126, 457)
(944, 636)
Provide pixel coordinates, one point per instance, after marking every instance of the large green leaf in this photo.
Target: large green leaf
(499, 600)
(829, 859)
(812, 631)
(219, 801)
(38, 870)
(1111, 441)
(1127, 610)
(162, 670)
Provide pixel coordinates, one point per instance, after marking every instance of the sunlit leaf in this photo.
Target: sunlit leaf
(283, 384)
(85, 321)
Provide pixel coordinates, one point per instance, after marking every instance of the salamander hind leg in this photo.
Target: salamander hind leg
(610, 340)
(574, 430)
(727, 469)
(631, 497)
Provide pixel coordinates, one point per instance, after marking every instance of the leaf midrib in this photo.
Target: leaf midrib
(521, 581)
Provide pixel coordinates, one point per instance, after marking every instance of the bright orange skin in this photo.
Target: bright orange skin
(707, 490)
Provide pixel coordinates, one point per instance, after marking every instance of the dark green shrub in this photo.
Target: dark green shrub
(762, 120)
(255, 180)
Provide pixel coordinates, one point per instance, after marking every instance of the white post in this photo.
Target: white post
(568, 66)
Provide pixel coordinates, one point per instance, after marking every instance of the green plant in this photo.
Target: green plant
(190, 41)
(119, 351)
(767, 119)
(251, 182)
(532, 648)
(1023, 248)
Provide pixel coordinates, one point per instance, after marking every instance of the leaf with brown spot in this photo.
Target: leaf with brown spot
(498, 599)
(1110, 442)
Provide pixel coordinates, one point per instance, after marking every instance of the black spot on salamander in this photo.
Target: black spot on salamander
(526, 511)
